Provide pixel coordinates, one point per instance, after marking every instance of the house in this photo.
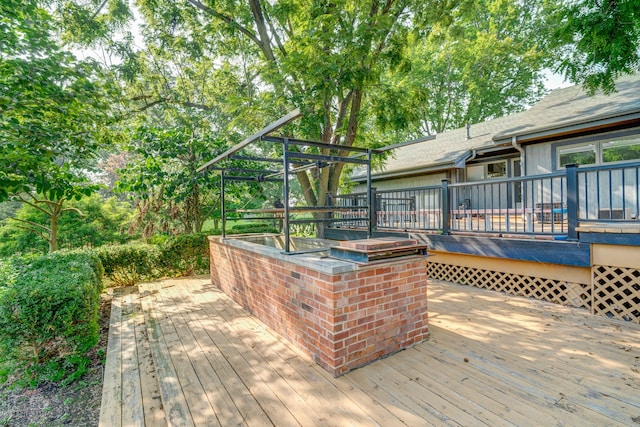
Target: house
(543, 203)
(565, 127)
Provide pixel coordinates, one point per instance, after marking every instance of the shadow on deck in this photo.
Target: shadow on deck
(182, 353)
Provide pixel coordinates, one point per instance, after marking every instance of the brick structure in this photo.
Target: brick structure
(342, 314)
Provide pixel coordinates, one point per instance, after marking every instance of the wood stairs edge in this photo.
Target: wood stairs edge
(174, 409)
(131, 393)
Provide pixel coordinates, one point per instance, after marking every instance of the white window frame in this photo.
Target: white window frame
(599, 147)
(577, 148)
(619, 142)
(506, 169)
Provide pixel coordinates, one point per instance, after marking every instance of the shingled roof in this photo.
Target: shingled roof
(561, 111)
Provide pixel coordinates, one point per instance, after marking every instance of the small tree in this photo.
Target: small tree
(52, 111)
(171, 196)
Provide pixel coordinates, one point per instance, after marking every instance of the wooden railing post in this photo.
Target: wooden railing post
(445, 207)
(572, 201)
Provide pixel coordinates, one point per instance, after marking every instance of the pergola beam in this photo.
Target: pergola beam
(256, 136)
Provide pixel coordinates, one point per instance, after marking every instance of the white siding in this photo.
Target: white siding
(538, 159)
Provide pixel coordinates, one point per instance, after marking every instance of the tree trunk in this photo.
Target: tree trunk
(53, 232)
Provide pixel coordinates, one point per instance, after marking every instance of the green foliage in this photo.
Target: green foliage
(598, 41)
(185, 255)
(132, 263)
(254, 227)
(101, 222)
(486, 62)
(49, 314)
(129, 264)
(161, 174)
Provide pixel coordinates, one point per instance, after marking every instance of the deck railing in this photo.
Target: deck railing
(609, 194)
(550, 204)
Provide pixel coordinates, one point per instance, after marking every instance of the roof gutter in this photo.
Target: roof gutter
(462, 161)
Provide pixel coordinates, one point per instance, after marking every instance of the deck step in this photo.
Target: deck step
(130, 394)
(175, 411)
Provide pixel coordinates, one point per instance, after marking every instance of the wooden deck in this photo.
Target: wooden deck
(181, 353)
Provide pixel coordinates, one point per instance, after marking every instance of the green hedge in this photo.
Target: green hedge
(256, 227)
(49, 314)
(128, 264)
(185, 255)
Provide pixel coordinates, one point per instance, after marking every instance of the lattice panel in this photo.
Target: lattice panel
(556, 291)
(616, 292)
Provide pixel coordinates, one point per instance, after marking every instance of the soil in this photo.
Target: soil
(77, 404)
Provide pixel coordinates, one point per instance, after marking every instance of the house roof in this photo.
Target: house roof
(561, 111)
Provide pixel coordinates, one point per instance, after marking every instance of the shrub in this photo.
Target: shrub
(128, 264)
(256, 227)
(186, 254)
(49, 314)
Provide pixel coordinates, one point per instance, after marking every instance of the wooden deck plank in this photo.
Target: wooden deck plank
(255, 358)
(568, 340)
(154, 414)
(264, 384)
(201, 410)
(423, 402)
(216, 375)
(445, 378)
(526, 363)
(300, 393)
(435, 394)
(529, 376)
(518, 315)
(206, 324)
(541, 359)
(111, 406)
(173, 401)
(329, 408)
(132, 407)
(380, 407)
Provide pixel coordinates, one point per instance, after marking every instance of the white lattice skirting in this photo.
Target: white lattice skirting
(557, 291)
(615, 291)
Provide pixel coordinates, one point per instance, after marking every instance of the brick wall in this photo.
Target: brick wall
(343, 320)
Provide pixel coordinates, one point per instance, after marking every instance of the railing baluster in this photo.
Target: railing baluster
(542, 204)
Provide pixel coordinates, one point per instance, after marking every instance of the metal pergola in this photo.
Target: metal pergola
(294, 159)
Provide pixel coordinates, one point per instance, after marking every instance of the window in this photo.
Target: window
(621, 150)
(497, 169)
(579, 155)
(599, 153)
(484, 171)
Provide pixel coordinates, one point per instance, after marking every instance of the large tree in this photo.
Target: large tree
(51, 110)
(245, 63)
(323, 56)
(487, 62)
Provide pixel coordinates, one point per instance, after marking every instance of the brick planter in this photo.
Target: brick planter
(342, 314)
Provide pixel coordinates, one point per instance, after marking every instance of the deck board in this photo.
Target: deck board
(111, 406)
(132, 406)
(492, 360)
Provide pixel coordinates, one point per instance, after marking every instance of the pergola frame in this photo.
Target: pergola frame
(292, 162)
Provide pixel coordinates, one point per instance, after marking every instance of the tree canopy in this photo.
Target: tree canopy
(598, 41)
(193, 76)
(52, 112)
